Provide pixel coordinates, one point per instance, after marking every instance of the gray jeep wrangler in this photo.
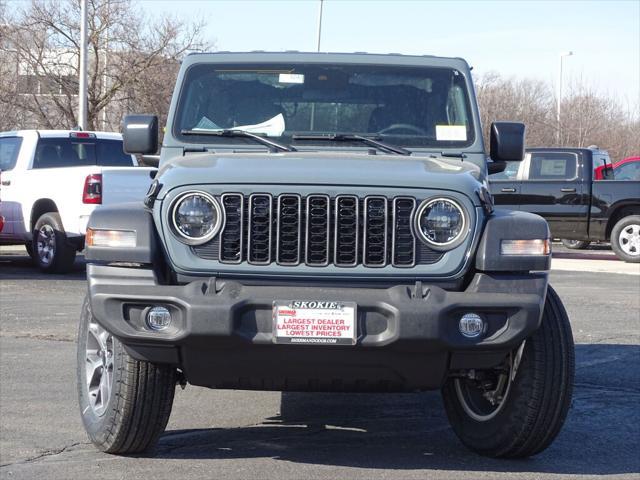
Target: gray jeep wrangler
(321, 222)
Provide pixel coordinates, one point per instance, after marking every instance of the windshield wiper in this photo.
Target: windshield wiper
(230, 132)
(453, 155)
(350, 137)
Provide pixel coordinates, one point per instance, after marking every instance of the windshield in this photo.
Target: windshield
(409, 106)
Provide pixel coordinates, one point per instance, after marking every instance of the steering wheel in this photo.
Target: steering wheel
(403, 126)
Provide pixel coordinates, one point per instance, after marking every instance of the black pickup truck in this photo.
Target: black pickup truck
(559, 184)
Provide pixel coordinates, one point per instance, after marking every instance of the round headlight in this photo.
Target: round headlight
(196, 217)
(441, 223)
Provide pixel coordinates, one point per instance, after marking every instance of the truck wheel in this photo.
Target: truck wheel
(518, 409)
(625, 239)
(124, 403)
(51, 249)
(575, 244)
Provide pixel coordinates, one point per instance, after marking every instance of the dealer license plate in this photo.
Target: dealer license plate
(314, 322)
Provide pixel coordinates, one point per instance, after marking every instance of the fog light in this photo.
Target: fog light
(471, 325)
(158, 318)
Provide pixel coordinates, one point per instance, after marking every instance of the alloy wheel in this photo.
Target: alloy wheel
(46, 244)
(484, 394)
(629, 240)
(99, 367)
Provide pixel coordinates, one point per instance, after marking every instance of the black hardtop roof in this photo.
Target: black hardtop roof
(328, 57)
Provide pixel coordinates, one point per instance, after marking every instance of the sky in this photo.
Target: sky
(514, 38)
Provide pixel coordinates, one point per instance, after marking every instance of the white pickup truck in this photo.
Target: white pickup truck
(51, 181)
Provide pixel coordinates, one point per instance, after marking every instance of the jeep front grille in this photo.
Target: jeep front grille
(231, 237)
(260, 238)
(289, 228)
(317, 230)
(347, 230)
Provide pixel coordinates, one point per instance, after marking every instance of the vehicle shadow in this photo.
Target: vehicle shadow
(19, 266)
(410, 431)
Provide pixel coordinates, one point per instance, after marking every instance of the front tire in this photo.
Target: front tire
(51, 250)
(515, 417)
(625, 239)
(575, 244)
(125, 404)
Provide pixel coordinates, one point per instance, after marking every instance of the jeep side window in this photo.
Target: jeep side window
(552, 166)
(9, 148)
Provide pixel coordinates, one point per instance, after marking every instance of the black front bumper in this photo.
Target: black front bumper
(408, 338)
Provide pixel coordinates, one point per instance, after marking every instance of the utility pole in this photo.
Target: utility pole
(320, 25)
(82, 81)
(561, 57)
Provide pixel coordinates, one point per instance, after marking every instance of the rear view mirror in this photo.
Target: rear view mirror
(140, 134)
(507, 141)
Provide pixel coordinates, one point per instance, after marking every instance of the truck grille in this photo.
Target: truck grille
(317, 230)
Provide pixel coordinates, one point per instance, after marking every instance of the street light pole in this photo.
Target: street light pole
(561, 57)
(82, 81)
(313, 105)
(320, 25)
(105, 66)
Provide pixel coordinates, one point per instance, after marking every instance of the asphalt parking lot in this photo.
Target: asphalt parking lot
(265, 435)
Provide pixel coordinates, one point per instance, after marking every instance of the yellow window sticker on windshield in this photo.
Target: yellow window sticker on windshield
(451, 133)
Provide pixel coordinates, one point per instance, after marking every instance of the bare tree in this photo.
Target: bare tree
(132, 62)
(588, 117)
(8, 70)
(527, 101)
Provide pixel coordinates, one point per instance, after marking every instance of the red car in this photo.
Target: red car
(626, 169)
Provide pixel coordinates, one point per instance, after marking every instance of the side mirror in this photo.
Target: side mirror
(496, 167)
(140, 134)
(507, 141)
(608, 173)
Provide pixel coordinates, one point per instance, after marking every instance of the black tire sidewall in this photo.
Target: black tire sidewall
(615, 236)
(64, 254)
(578, 245)
(491, 433)
(539, 398)
(99, 428)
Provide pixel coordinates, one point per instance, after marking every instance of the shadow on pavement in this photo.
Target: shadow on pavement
(586, 256)
(410, 431)
(21, 267)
